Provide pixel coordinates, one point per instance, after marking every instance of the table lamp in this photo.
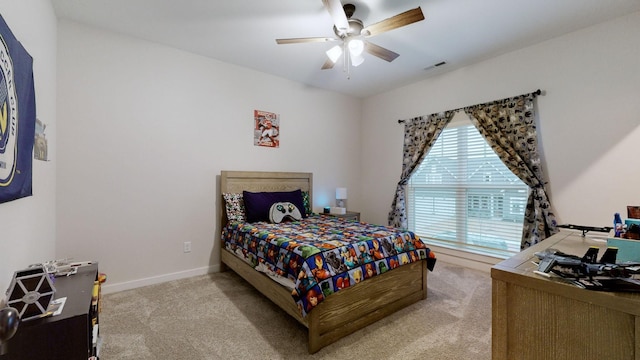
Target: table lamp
(341, 197)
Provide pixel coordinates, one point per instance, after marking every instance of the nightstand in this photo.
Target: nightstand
(350, 215)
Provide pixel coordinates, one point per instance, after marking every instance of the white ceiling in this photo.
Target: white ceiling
(243, 32)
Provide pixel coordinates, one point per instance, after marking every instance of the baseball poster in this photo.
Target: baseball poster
(266, 129)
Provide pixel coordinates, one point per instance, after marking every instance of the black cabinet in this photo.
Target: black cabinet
(69, 335)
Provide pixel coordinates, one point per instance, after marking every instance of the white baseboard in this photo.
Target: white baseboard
(451, 256)
(128, 285)
(463, 258)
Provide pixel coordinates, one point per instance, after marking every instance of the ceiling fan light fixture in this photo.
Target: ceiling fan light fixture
(351, 32)
(356, 47)
(334, 53)
(356, 60)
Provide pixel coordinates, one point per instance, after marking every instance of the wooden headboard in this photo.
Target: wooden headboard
(237, 181)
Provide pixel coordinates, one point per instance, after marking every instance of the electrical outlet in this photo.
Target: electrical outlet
(186, 246)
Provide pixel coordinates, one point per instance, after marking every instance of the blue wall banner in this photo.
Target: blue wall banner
(17, 117)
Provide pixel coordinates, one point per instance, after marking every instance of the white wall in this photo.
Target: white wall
(27, 225)
(145, 131)
(588, 120)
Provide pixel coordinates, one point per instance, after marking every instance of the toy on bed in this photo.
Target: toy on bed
(284, 210)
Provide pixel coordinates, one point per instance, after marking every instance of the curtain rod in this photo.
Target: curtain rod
(537, 92)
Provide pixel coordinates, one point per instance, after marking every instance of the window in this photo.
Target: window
(463, 196)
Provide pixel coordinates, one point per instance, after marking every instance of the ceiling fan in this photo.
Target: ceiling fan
(353, 33)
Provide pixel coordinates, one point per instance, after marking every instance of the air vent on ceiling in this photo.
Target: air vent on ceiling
(435, 65)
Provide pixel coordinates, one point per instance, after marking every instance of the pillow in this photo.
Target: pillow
(257, 204)
(283, 210)
(306, 203)
(235, 207)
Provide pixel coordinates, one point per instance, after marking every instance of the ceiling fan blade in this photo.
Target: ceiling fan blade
(304, 40)
(327, 65)
(334, 7)
(394, 22)
(379, 51)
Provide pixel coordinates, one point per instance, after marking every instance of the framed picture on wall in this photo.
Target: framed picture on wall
(266, 131)
(40, 145)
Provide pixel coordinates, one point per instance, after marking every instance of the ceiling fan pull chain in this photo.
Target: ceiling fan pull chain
(347, 60)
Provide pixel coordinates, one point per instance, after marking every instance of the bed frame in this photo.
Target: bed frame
(343, 312)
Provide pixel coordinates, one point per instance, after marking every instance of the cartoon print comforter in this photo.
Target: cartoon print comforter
(324, 254)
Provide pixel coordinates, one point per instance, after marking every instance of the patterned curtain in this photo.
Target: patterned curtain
(509, 127)
(419, 135)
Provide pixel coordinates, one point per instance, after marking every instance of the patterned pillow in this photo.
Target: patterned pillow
(306, 203)
(235, 207)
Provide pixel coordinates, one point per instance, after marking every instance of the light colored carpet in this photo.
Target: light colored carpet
(220, 316)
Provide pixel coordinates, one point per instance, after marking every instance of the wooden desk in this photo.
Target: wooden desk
(534, 317)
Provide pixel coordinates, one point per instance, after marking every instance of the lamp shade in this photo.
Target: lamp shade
(341, 193)
(357, 60)
(334, 53)
(356, 47)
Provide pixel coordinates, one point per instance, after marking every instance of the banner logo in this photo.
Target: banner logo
(8, 117)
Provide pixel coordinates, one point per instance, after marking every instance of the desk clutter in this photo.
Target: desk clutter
(618, 269)
(626, 235)
(64, 267)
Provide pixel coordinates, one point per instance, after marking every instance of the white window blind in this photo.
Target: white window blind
(463, 196)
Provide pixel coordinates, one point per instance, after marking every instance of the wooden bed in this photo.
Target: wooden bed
(345, 311)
